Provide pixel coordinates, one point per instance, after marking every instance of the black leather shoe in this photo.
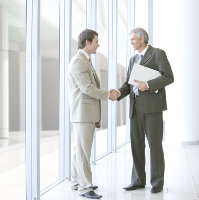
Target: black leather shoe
(133, 187)
(75, 187)
(156, 189)
(91, 195)
(95, 187)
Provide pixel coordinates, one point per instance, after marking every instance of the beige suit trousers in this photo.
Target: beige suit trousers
(81, 170)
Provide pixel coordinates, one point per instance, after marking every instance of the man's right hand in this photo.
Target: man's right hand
(114, 94)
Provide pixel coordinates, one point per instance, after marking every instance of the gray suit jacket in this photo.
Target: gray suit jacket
(150, 102)
(84, 91)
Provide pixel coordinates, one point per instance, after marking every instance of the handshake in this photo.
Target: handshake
(114, 94)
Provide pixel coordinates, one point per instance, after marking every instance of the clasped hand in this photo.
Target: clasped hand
(142, 86)
(114, 94)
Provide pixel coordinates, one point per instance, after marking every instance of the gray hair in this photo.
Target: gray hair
(141, 32)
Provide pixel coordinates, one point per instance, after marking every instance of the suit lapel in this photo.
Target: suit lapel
(91, 68)
(137, 58)
(147, 55)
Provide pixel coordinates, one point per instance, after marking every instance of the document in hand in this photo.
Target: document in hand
(142, 73)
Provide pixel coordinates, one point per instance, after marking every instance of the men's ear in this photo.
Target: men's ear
(87, 42)
(142, 39)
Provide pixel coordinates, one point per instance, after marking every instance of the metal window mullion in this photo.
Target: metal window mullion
(64, 112)
(110, 63)
(114, 72)
(61, 91)
(129, 54)
(33, 100)
(91, 14)
(112, 67)
(28, 101)
(91, 23)
(150, 21)
(67, 43)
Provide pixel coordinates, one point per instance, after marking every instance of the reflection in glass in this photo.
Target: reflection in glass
(12, 99)
(49, 102)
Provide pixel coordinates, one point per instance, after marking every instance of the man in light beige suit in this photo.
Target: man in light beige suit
(85, 110)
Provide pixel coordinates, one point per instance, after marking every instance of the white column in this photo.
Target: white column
(4, 93)
(176, 30)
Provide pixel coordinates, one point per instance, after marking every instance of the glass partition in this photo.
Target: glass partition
(121, 70)
(49, 94)
(141, 14)
(102, 71)
(78, 25)
(12, 99)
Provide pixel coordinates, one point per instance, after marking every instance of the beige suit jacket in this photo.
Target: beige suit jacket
(85, 94)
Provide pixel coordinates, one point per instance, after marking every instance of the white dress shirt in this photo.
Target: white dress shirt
(142, 53)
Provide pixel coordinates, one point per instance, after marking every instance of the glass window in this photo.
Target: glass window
(12, 99)
(121, 69)
(78, 25)
(141, 14)
(78, 22)
(102, 71)
(49, 102)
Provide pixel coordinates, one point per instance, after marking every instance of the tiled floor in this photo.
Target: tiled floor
(12, 160)
(113, 172)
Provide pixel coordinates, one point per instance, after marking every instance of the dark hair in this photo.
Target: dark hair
(86, 34)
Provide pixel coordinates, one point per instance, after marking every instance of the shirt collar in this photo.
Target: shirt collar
(87, 56)
(144, 51)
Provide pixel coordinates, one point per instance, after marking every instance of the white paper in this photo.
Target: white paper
(142, 73)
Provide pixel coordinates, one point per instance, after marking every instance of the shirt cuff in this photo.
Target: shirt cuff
(147, 85)
(119, 93)
(148, 88)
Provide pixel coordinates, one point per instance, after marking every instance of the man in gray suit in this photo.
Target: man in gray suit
(85, 110)
(147, 102)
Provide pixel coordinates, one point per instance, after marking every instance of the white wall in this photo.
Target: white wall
(176, 30)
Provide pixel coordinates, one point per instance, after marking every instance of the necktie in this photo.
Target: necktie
(135, 90)
(93, 69)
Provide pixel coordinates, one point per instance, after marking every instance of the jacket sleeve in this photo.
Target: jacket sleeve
(125, 88)
(166, 77)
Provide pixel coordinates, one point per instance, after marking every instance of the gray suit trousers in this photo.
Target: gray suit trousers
(81, 170)
(151, 125)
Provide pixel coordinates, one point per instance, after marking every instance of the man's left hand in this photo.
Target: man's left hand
(142, 86)
(98, 125)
